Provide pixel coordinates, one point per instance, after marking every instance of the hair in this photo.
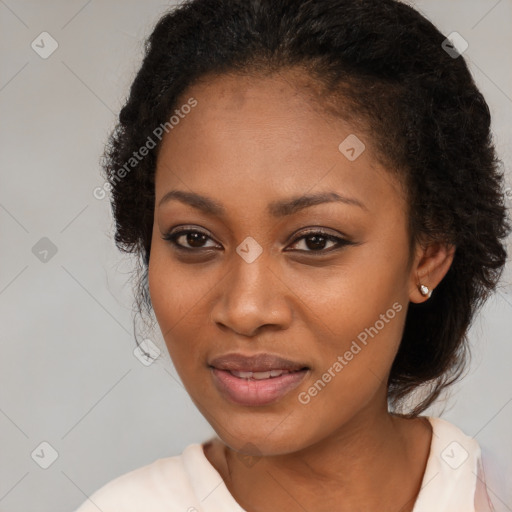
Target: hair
(381, 64)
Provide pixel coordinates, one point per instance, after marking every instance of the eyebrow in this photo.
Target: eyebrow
(281, 208)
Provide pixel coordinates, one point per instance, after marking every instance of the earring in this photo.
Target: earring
(424, 290)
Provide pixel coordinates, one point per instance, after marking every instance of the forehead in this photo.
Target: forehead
(266, 133)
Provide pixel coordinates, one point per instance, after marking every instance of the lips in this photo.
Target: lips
(255, 363)
(256, 380)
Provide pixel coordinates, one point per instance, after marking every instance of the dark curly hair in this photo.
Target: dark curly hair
(378, 63)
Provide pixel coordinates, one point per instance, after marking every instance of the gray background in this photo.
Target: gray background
(68, 373)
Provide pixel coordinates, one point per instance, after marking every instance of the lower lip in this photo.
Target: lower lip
(254, 392)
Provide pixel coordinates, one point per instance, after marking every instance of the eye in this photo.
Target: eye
(193, 240)
(316, 241)
(193, 237)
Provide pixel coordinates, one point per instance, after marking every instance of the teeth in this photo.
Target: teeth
(259, 375)
(242, 375)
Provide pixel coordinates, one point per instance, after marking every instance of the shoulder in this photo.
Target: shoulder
(453, 442)
(163, 485)
(450, 481)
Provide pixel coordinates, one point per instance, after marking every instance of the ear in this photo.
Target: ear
(431, 263)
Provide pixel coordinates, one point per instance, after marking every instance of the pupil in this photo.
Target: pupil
(195, 238)
(318, 242)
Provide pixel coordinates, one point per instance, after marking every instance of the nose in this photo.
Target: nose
(252, 297)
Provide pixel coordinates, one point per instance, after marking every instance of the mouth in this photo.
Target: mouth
(256, 380)
(271, 374)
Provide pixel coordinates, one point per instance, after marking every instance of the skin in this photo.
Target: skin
(249, 142)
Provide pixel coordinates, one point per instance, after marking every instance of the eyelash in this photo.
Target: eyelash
(341, 242)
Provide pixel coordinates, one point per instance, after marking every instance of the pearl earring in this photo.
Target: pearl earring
(425, 291)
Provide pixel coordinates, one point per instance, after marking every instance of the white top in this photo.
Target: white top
(453, 481)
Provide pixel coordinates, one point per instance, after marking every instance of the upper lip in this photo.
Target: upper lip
(254, 363)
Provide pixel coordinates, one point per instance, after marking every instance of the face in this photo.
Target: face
(279, 269)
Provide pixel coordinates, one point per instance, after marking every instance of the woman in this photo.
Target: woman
(315, 199)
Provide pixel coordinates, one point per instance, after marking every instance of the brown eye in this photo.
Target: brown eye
(188, 239)
(317, 241)
(194, 239)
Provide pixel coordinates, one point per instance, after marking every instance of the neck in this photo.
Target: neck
(375, 462)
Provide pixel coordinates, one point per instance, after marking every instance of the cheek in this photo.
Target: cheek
(170, 297)
(163, 300)
(179, 296)
(340, 302)
(174, 289)
(355, 366)
(357, 311)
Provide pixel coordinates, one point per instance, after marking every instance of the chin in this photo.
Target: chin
(260, 433)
